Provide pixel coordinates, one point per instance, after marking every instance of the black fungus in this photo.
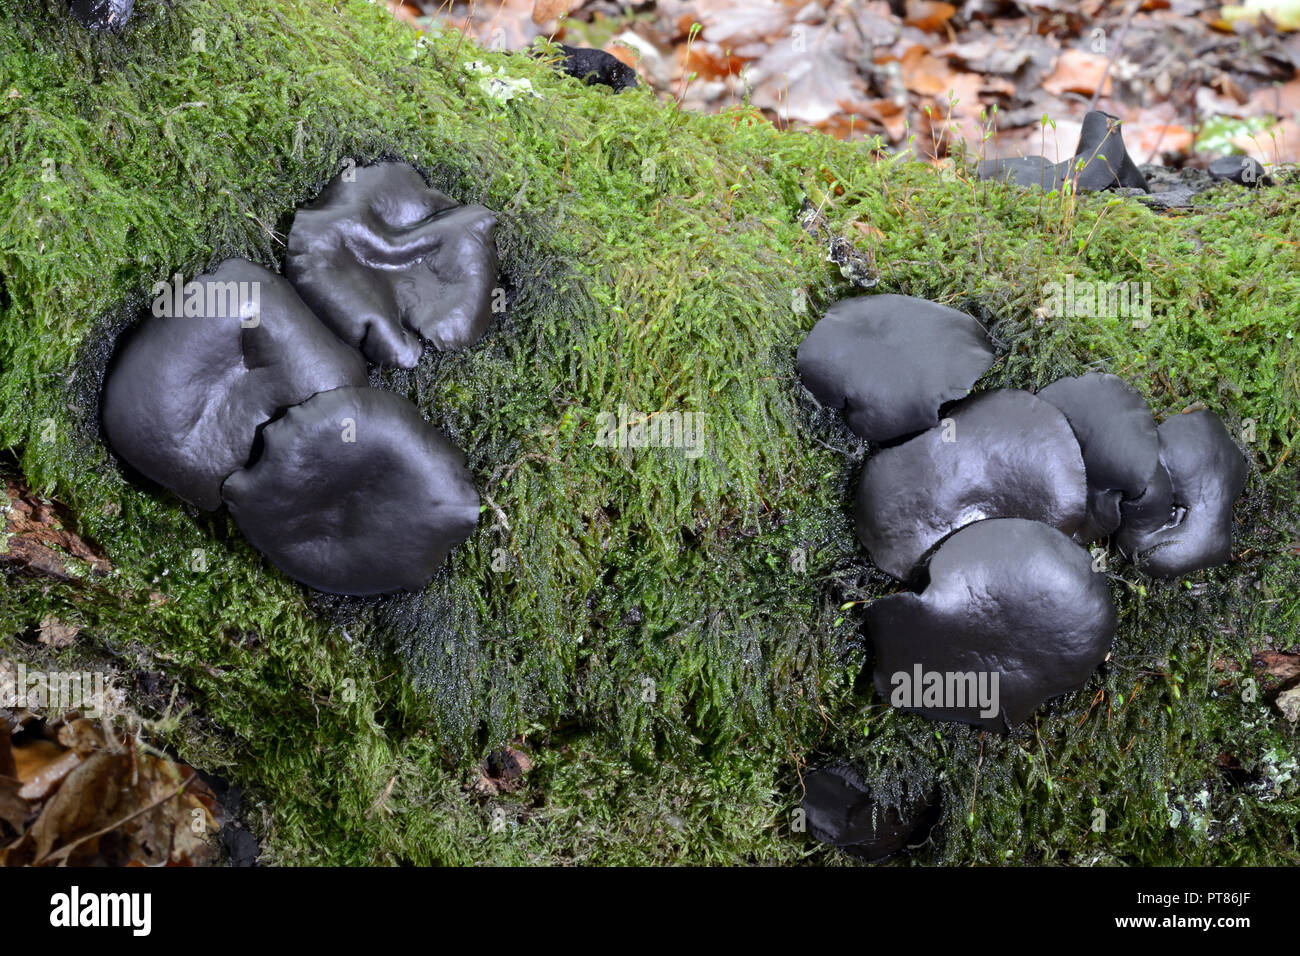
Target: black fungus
(1024, 171)
(1100, 161)
(1105, 161)
(102, 14)
(1242, 170)
(597, 67)
(1187, 525)
(1013, 614)
(842, 810)
(890, 362)
(999, 454)
(189, 387)
(1117, 436)
(385, 260)
(355, 493)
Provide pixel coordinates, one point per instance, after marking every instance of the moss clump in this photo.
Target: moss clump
(663, 632)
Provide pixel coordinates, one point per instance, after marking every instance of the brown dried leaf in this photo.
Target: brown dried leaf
(1281, 100)
(7, 766)
(50, 776)
(1277, 664)
(14, 810)
(928, 14)
(544, 11)
(31, 756)
(1154, 139)
(82, 736)
(55, 633)
(734, 23)
(1078, 71)
(807, 77)
(84, 802)
(925, 74)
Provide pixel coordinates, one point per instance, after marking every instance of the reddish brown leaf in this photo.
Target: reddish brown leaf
(928, 14)
(544, 11)
(925, 74)
(1078, 72)
(49, 776)
(1277, 664)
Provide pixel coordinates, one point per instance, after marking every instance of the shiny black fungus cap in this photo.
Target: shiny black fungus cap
(216, 358)
(1117, 436)
(999, 454)
(891, 361)
(355, 493)
(1189, 525)
(1014, 613)
(387, 261)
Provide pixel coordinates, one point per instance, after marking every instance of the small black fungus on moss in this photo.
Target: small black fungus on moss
(1008, 599)
(189, 387)
(1099, 162)
(1206, 473)
(355, 493)
(890, 362)
(1117, 436)
(386, 260)
(1000, 454)
(841, 809)
(101, 14)
(1242, 170)
(597, 67)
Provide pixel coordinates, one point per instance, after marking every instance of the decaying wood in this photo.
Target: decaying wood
(35, 539)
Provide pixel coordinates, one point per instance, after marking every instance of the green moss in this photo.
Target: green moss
(636, 617)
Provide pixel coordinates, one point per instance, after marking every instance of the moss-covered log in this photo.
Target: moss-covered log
(664, 632)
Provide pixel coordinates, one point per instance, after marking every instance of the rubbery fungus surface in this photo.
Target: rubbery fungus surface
(355, 493)
(387, 261)
(219, 356)
(890, 362)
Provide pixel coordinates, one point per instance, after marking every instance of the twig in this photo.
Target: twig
(1114, 53)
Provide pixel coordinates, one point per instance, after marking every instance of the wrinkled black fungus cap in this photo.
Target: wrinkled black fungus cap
(355, 493)
(841, 810)
(597, 67)
(1100, 161)
(1012, 455)
(1007, 596)
(102, 14)
(385, 260)
(890, 361)
(1117, 436)
(186, 393)
(1207, 473)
